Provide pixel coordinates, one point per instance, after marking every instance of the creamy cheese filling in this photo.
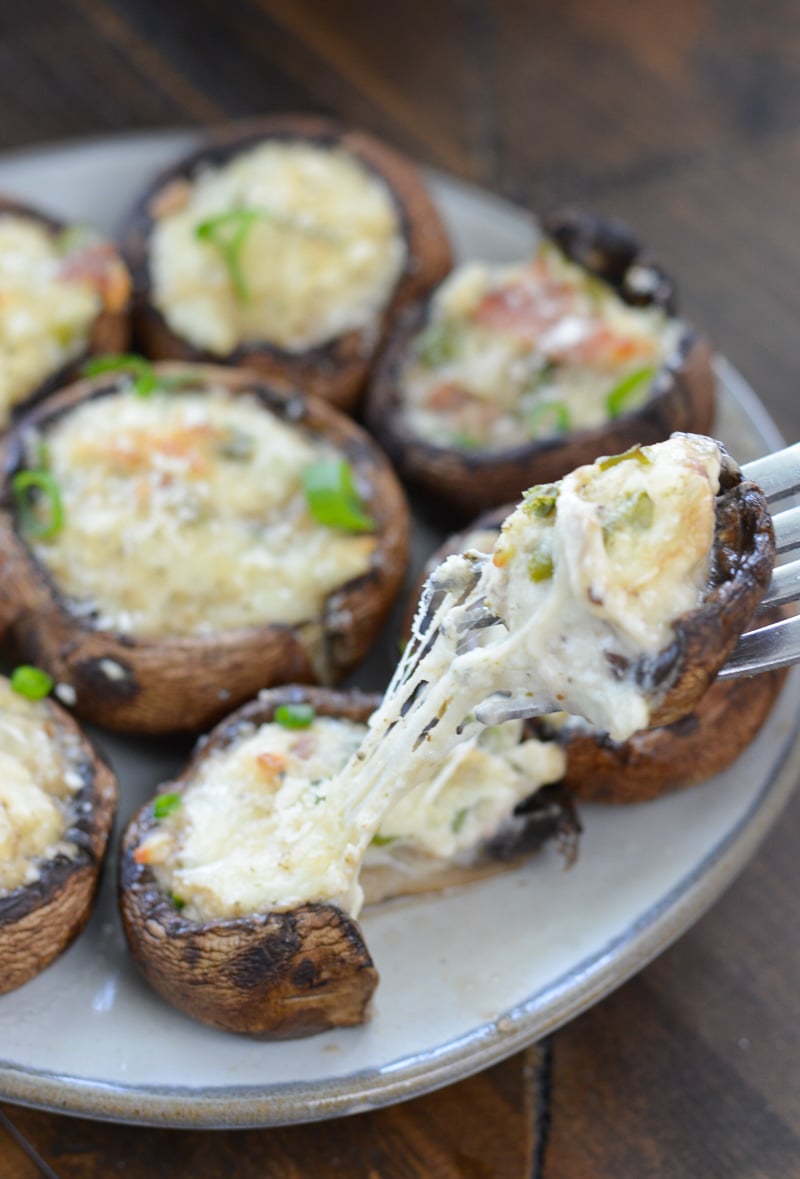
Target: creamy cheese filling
(512, 353)
(184, 514)
(586, 579)
(47, 306)
(217, 853)
(287, 243)
(38, 782)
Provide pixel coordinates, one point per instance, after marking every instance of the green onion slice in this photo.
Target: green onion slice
(177, 901)
(550, 417)
(31, 682)
(637, 454)
(227, 233)
(541, 500)
(437, 344)
(34, 491)
(165, 804)
(294, 716)
(384, 840)
(332, 497)
(635, 510)
(466, 441)
(625, 394)
(540, 562)
(459, 819)
(145, 380)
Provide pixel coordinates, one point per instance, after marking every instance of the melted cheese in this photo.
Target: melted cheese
(38, 780)
(569, 640)
(321, 258)
(184, 515)
(46, 310)
(529, 351)
(219, 854)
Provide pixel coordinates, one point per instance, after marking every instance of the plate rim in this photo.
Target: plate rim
(539, 1014)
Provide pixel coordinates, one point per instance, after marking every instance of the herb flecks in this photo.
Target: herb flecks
(31, 682)
(40, 508)
(626, 394)
(541, 500)
(332, 497)
(165, 804)
(294, 716)
(549, 417)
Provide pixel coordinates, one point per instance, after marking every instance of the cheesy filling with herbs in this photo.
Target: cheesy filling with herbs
(38, 783)
(216, 851)
(516, 353)
(584, 584)
(184, 514)
(288, 243)
(52, 288)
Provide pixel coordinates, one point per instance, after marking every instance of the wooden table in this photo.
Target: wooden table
(684, 119)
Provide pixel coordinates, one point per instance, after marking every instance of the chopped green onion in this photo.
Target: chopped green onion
(35, 489)
(550, 417)
(635, 510)
(332, 497)
(165, 804)
(145, 379)
(540, 500)
(466, 441)
(638, 454)
(177, 901)
(227, 233)
(31, 682)
(294, 716)
(75, 237)
(384, 840)
(540, 562)
(459, 819)
(437, 344)
(625, 395)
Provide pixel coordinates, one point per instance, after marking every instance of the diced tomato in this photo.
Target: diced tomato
(447, 396)
(601, 346)
(141, 855)
(272, 764)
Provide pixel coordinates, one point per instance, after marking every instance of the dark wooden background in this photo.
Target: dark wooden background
(683, 118)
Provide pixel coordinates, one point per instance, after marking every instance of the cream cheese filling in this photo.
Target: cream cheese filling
(46, 310)
(217, 853)
(38, 782)
(320, 253)
(184, 514)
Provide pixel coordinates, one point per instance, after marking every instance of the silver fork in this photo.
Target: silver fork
(777, 644)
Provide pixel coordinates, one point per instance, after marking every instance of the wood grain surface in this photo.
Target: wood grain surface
(685, 120)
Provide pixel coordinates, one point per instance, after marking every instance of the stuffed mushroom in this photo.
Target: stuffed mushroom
(289, 245)
(58, 801)
(175, 540)
(512, 375)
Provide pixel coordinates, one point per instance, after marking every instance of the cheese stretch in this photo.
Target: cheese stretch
(184, 514)
(584, 583)
(287, 243)
(38, 782)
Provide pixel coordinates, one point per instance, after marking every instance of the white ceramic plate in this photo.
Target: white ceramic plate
(466, 978)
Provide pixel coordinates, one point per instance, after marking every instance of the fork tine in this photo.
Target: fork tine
(765, 649)
(778, 474)
(787, 529)
(784, 587)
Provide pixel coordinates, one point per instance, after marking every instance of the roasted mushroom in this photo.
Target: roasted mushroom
(652, 761)
(58, 801)
(175, 540)
(288, 245)
(512, 375)
(196, 864)
(64, 295)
